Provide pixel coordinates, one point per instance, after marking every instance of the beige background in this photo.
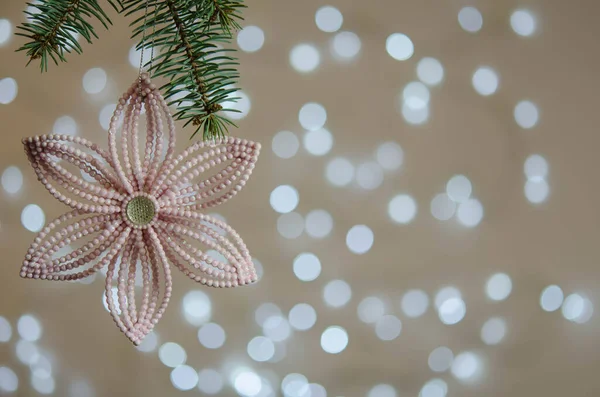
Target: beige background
(543, 354)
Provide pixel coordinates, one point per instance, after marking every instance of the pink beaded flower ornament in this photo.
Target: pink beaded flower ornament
(137, 214)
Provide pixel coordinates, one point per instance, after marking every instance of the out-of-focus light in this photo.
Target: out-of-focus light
(526, 114)
(466, 366)
(317, 390)
(184, 377)
(261, 349)
(43, 385)
(210, 381)
(345, 45)
(339, 171)
(359, 239)
(459, 188)
(329, 19)
(247, 383)
(334, 340)
(369, 175)
(8, 90)
(105, 115)
(399, 46)
(402, 209)
(172, 355)
(29, 328)
(337, 293)
(211, 336)
(305, 58)
(150, 343)
(277, 328)
(390, 156)
(290, 225)
(470, 19)
(5, 330)
(440, 359)
(388, 327)
(493, 331)
(241, 106)
(498, 287)
(434, 388)
(318, 142)
(523, 22)
(295, 385)
(197, 307)
(536, 167)
(382, 390)
(302, 316)
(536, 190)
(416, 95)
(430, 71)
(470, 213)
(81, 388)
(414, 303)
(577, 308)
(251, 38)
(264, 311)
(442, 207)
(284, 199)
(485, 81)
(27, 352)
(319, 223)
(370, 310)
(9, 382)
(551, 298)
(414, 116)
(312, 116)
(446, 293)
(12, 179)
(136, 55)
(65, 125)
(307, 266)
(94, 80)
(452, 311)
(285, 144)
(5, 31)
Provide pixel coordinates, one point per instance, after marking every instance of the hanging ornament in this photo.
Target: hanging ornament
(145, 213)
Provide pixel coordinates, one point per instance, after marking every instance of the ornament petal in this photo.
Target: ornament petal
(45, 154)
(98, 239)
(207, 174)
(181, 231)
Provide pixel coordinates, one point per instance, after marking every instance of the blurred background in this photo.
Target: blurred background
(423, 216)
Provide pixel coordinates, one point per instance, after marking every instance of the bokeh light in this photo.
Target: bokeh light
(318, 142)
(359, 239)
(319, 223)
(9, 382)
(211, 336)
(339, 171)
(536, 167)
(337, 293)
(390, 156)
(5, 330)
(172, 354)
(470, 213)
(430, 71)
(414, 303)
(498, 287)
(388, 327)
(334, 340)
(493, 331)
(277, 328)
(261, 349)
(307, 266)
(329, 19)
(442, 207)
(485, 81)
(302, 316)
(196, 307)
(65, 125)
(399, 46)
(523, 22)
(312, 116)
(345, 45)
(470, 19)
(12, 179)
(250, 38)
(184, 377)
(290, 225)
(402, 209)
(466, 366)
(526, 114)
(459, 188)
(440, 359)
(210, 381)
(382, 390)
(551, 298)
(29, 328)
(305, 58)
(5, 31)
(285, 144)
(370, 309)
(284, 199)
(536, 191)
(94, 80)
(8, 90)
(452, 311)
(369, 176)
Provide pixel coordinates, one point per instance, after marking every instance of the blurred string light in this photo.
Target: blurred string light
(450, 305)
(247, 383)
(334, 340)
(5, 330)
(172, 355)
(135, 56)
(470, 213)
(446, 293)
(430, 71)
(105, 114)
(370, 310)
(307, 266)
(277, 328)
(319, 223)
(290, 225)
(536, 187)
(312, 116)
(43, 385)
(388, 327)
(329, 19)
(402, 209)
(295, 385)
(29, 328)
(551, 298)
(577, 308)
(345, 45)
(80, 388)
(337, 293)
(284, 199)
(523, 22)
(390, 156)
(280, 352)
(317, 390)
(442, 207)
(302, 316)
(485, 81)
(150, 343)
(5, 31)
(33, 218)
(318, 142)
(27, 352)
(399, 46)
(197, 307)
(369, 175)
(184, 377)
(466, 366)
(498, 287)
(434, 388)
(526, 114)
(211, 336)
(12, 179)
(250, 39)
(264, 311)
(339, 171)
(65, 125)
(416, 95)
(359, 239)
(470, 19)
(261, 348)
(382, 390)
(241, 106)
(414, 303)
(285, 144)
(440, 359)
(94, 81)
(493, 331)
(305, 58)
(210, 381)
(459, 188)
(8, 90)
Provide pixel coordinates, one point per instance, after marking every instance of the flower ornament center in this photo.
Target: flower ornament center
(140, 211)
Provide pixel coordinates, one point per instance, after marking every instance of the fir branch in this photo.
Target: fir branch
(52, 28)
